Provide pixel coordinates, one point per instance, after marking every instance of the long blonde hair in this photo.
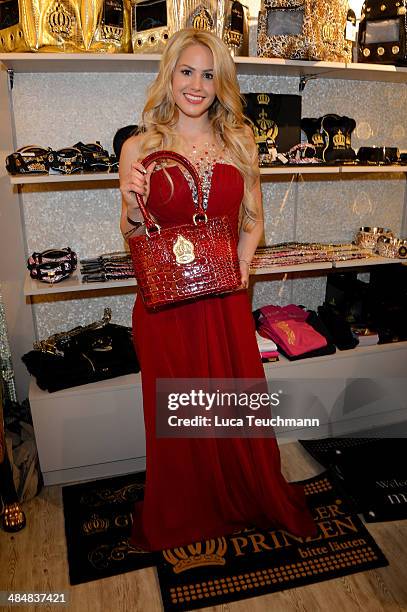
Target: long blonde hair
(160, 113)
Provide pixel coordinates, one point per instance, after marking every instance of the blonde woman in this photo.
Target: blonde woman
(199, 488)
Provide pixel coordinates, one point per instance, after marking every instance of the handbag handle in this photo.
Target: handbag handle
(200, 213)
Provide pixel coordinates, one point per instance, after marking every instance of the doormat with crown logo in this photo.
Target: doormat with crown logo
(245, 564)
(98, 525)
(254, 562)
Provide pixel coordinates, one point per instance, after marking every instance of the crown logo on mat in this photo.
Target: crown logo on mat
(339, 139)
(95, 524)
(183, 250)
(210, 552)
(263, 98)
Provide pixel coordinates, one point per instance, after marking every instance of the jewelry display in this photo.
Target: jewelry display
(392, 247)
(108, 266)
(89, 157)
(53, 265)
(368, 237)
(291, 253)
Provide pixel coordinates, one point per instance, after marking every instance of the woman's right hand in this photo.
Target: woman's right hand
(136, 181)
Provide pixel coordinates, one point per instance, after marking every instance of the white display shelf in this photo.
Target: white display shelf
(370, 261)
(87, 177)
(305, 267)
(358, 352)
(372, 169)
(146, 63)
(133, 380)
(264, 172)
(74, 283)
(127, 381)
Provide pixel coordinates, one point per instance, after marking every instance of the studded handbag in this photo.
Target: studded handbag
(303, 29)
(185, 261)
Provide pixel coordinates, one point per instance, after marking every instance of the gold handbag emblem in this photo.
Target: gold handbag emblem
(183, 250)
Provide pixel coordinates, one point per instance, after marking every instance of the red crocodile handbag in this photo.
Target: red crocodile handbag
(185, 261)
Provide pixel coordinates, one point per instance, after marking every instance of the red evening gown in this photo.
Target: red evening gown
(199, 488)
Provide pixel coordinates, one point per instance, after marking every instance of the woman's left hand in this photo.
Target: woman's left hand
(244, 273)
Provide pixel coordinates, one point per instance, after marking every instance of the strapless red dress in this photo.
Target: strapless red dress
(200, 488)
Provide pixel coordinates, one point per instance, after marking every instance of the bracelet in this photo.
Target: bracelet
(245, 261)
(129, 232)
(134, 223)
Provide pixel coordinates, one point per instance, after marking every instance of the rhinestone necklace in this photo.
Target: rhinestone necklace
(204, 158)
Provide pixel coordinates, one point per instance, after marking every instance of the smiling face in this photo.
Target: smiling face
(192, 82)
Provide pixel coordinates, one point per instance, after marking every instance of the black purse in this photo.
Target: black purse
(96, 158)
(382, 32)
(338, 145)
(83, 355)
(31, 159)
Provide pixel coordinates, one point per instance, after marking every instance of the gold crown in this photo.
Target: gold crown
(234, 38)
(202, 19)
(95, 525)
(210, 552)
(317, 139)
(112, 32)
(263, 98)
(339, 139)
(60, 21)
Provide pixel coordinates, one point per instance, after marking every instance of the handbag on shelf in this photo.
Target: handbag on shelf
(338, 144)
(275, 120)
(382, 32)
(11, 30)
(31, 159)
(304, 29)
(83, 355)
(185, 261)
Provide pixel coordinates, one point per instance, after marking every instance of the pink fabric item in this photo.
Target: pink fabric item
(282, 313)
(287, 327)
